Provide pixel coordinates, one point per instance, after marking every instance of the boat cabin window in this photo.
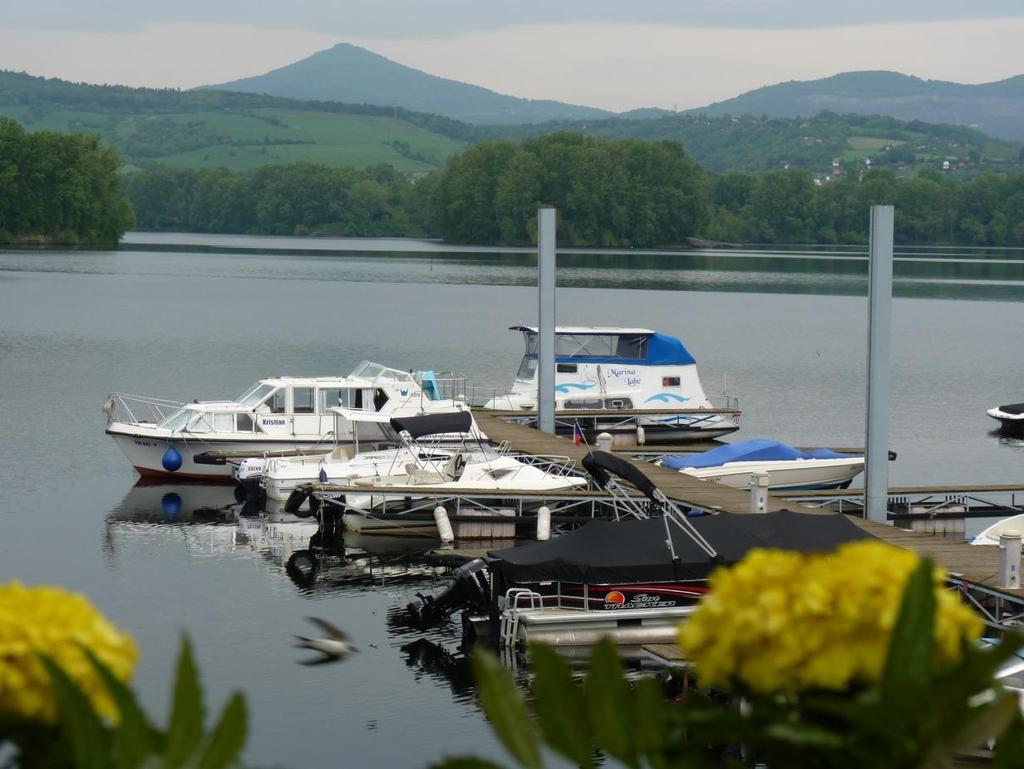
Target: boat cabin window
(566, 368)
(527, 368)
(619, 403)
(581, 403)
(255, 395)
(200, 423)
(380, 399)
(302, 400)
(224, 423)
(670, 381)
(630, 346)
(338, 396)
(276, 402)
(244, 423)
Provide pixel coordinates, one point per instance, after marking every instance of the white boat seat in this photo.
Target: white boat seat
(420, 476)
(453, 469)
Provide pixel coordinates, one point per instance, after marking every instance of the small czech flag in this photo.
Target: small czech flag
(577, 434)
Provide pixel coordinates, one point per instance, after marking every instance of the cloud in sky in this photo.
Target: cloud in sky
(601, 64)
(442, 18)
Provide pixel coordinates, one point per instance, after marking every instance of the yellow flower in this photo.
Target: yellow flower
(779, 621)
(55, 622)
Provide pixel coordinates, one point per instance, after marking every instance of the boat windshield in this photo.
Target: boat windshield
(255, 394)
(527, 369)
(177, 420)
(375, 372)
(632, 346)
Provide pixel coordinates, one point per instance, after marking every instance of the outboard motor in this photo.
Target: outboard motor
(470, 588)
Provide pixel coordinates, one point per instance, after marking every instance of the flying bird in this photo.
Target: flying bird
(335, 644)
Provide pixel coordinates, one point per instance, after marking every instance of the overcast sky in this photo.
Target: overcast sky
(613, 54)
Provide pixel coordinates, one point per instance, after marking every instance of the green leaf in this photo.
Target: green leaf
(1010, 747)
(803, 735)
(465, 762)
(608, 704)
(989, 724)
(228, 736)
(90, 741)
(186, 728)
(135, 738)
(558, 703)
(652, 722)
(504, 706)
(908, 664)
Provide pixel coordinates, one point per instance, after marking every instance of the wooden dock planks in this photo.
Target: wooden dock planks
(977, 564)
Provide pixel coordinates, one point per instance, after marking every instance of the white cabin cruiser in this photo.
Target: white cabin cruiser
(788, 468)
(620, 370)
(164, 438)
(1010, 416)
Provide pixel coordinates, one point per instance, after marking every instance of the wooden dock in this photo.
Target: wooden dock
(971, 566)
(675, 485)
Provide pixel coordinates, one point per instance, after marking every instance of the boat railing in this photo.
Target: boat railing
(138, 409)
(552, 464)
(447, 385)
(724, 401)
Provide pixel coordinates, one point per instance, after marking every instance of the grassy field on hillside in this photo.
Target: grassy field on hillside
(250, 138)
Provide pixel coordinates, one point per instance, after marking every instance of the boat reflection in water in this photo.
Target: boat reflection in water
(213, 522)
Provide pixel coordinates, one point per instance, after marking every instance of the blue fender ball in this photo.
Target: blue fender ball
(172, 460)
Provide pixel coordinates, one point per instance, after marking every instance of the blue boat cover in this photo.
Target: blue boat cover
(665, 350)
(757, 450)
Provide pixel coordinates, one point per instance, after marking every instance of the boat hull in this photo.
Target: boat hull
(146, 454)
(1010, 418)
(794, 475)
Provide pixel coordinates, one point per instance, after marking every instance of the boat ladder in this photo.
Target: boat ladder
(516, 599)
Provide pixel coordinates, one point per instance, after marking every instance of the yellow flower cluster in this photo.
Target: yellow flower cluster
(780, 621)
(51, 621)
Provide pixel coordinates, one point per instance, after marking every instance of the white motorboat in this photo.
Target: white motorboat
(1010, 416)
(281, 475)
(990, 536)
(788, 468)
(620, 370)
(435, 472)
(171, 439)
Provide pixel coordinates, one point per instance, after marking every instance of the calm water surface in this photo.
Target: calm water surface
(787, 335)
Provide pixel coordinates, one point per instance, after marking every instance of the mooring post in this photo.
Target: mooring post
(1009, 558)
(759, 491)
(546, 320)
(876, 468)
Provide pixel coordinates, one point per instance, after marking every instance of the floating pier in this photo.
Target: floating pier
(974, 570)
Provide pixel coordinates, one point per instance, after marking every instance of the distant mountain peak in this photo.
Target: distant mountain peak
(351, 74)
(997, 108)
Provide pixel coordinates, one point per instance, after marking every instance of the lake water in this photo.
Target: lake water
(183, 317)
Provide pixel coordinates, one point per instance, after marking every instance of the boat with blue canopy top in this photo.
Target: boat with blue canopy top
(788, 468)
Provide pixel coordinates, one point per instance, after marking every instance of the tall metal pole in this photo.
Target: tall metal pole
(546, 320)
(876, 471)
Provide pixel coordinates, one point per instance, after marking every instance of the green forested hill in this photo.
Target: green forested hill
(206, 129)
(996, 108)
(210, 129)
(749, 143)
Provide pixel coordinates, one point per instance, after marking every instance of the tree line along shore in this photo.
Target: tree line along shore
(67, 188)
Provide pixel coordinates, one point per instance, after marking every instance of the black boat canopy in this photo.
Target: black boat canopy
(605, 552)
(600, 463)
(434, 424)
